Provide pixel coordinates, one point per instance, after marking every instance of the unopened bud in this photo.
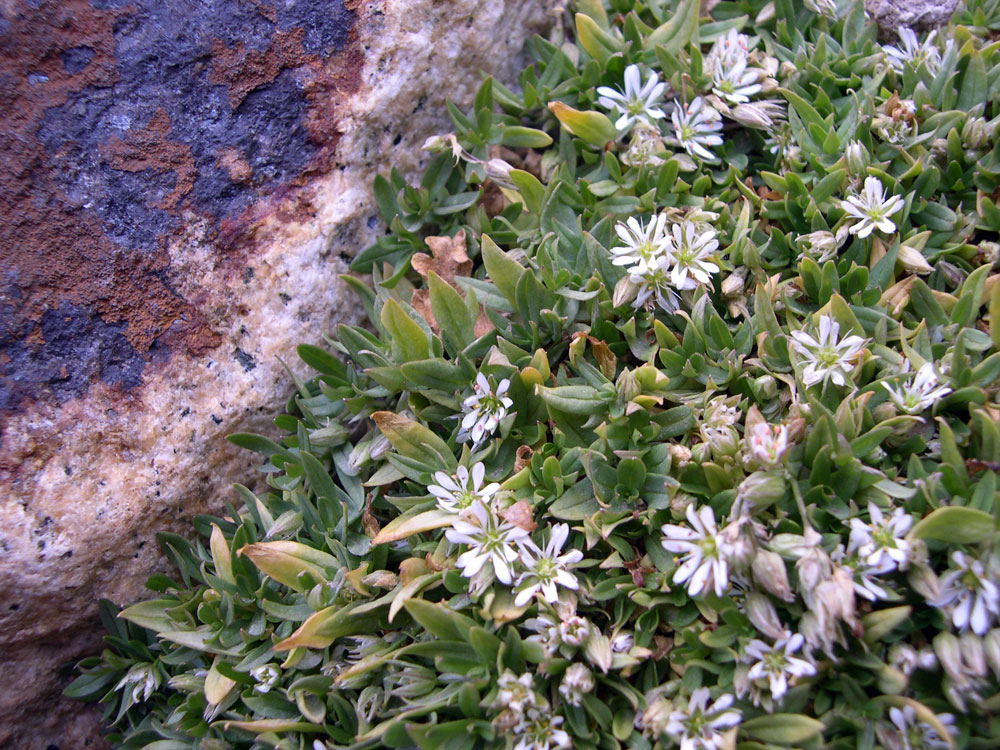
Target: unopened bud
(973, 653)
(625, 291)
(952, 273)
(766, 387)
(990, 251)
(974, 133)
(499, 171)
(913, 261)
(939, 149)
(820, 245)
(701, 453)
(577, 681)
(787, 69)
(381, 579)
(761, 489)
(770, 572)
(681, 454)
(724, 441)
(991, 647)
(763, 615)
(436, 144)
(890, 680)
(627, 386)
(653, 721)
(949, 653)
(857, 159)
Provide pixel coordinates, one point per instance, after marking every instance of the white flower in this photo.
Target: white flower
(515, 694)
(776, 663)
(727, 51)
(881, 544)
(767, 443)
(827, 358)
(540, 731)
(735, 83)
(574, 630)
(691, 248)
(577, 681)
(821, 246)
(455, 494)
(622, 642)
(266, 677)
(490, 540)
(970, 589)
(918, 735)
(546, 629)
(921, 393)
(143, 679)
(546, 568)
(860, 573)
(483, 410)
(653, 282)
(696, 127)
(871, 209)
(910, 50)
(705, 560)
(642, 243)
(700, 726)
(638, 101)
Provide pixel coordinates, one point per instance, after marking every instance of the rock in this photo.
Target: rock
(919, 15)
(182, 184)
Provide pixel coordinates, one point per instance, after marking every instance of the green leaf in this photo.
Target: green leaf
(530, 189)
(591, 127)
(451, 312)
(517, 136)
(783, 729)
(439, 620)
(408, 524)
(956, 524)
(408, 340)
(598, 42)
(678, 32)
(415, 441)
(502, 270)
(151, 614)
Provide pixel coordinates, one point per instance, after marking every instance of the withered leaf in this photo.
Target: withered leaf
(448, 258)
(519, 514)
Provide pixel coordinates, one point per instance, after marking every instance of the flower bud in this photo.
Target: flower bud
(574, 630)
(949, 653)
(499, 171)
(974, 133)
(681, 454)
(436, 144)
(724, 441)
(735, 283)
(625, 291)
(990, 252)
(952, 273)
(653, 721)
(913, 261)
(761, 489)
(991, 649)
(769, 571)
(763, 615)
(627, 386)
(857, 159)
(820, 245)
(701, 453)
(973, 653)
(768, 444)
(890, 680)
(766, 387)
(577, 681)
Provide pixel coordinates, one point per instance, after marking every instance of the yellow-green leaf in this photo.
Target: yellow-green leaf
(413, 440)
(589, 126)
(956, 524)
(599, 43)
(405, 526)
(408, 340)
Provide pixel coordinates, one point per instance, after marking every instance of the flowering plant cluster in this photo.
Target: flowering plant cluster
(684, 433)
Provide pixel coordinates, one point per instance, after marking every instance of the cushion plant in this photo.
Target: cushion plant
(675, 423)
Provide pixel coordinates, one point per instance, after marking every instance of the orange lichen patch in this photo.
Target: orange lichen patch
(233, 163)
(242, 70)
(149, 148)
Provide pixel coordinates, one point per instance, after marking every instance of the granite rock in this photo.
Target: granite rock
(919, 15)
(182, 184)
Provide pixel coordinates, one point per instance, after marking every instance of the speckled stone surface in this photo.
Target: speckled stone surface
(182, 184)
(919, 15)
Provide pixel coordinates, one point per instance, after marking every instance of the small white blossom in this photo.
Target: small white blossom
(577, 681)
(736, 82)
(546, 632)
(776, 663)
(266, 677)
(696, 128)
(767, 443)
(700, 727)
(455, 493)
(728, 51)
(483, 410)
(705, 563)
(641, 243)
(911, 50)
(515, 693)
(490, 540)
(973, 592)
(821, 245)
(827, 358)
(546, 568)
(872, 209)
(881, 544)
(921, 393)
(690, 250)
(861, 574)
(622, 642)
(540, 731)
(143, 679)
(653, 282)
(574, 630)
(638, 101)
(918, 735)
